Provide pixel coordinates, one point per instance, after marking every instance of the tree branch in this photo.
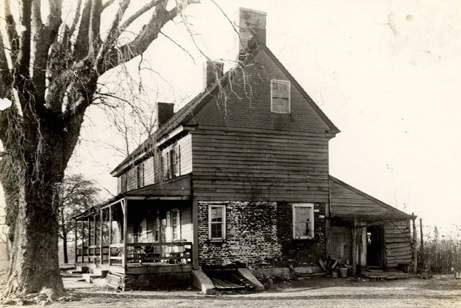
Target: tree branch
(42, 38)
(24, 40)
(133, 17)
(81, 44)
(107, 4)
(148, 34)
(95, 23)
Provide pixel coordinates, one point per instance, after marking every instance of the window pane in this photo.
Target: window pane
(216, 214)
(216, 230)
(303, 221)
(280, 105)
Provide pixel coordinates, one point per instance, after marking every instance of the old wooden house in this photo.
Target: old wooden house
(239, 177)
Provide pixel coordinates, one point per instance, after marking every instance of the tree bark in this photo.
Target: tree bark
(34, 264)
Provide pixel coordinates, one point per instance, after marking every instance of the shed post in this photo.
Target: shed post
(415, 251)
(354, 247)
(422, 242)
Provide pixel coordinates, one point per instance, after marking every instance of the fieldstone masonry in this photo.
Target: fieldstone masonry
(260, 235)
(251, 235)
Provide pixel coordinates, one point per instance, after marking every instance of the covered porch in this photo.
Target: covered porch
(149, 230)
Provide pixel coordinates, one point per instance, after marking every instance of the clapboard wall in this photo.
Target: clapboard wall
(398, 243)
(259, 165)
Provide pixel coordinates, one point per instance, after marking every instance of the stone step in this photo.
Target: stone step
(113, 280)
(100, 272)
(90, 277)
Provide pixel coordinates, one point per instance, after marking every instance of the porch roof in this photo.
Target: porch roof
(174, 189)
(349, 203)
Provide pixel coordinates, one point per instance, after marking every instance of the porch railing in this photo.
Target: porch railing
(140, 253)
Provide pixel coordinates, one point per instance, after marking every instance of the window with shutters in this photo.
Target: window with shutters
(140, 175)
(280, 96)
(303, 220)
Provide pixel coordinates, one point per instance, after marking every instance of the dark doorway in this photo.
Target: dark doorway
(374, 246)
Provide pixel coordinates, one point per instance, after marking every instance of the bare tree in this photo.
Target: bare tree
(77, 195)
(49, 70)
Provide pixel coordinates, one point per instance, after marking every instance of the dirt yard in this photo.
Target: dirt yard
(440, 291)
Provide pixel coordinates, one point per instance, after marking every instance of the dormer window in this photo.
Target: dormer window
(280, 96)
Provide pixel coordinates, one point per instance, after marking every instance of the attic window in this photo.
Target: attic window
(280, 96)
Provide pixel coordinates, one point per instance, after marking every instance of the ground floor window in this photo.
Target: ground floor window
(303, 220)
(217, 222)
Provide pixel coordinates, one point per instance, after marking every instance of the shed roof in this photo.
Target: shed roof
(348, 202)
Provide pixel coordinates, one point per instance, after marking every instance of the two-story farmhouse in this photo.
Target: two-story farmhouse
(239, 177)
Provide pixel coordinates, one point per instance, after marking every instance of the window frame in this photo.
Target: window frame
(312, 223)
(273, 81)
(123, 183)
(223, 223)
(177, 225)
(140, 175)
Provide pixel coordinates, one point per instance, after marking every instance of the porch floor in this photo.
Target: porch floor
(373, 274)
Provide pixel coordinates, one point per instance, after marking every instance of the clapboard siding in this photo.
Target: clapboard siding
(247, 165)
(398, 243)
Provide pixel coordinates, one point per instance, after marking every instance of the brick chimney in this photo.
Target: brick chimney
(252, 29)
(213, 70)
(164, 112)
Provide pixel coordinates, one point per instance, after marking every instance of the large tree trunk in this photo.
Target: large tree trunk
(34, 264)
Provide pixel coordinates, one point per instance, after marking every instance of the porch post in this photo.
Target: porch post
(110, 233)
(89, 237)
(75, 241)
(95, 236)
(195, 263)
(415, 251)
(125, 230)
(354, 248)
(83, 241)
(101, 244)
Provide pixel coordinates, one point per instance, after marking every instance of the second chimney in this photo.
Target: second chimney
(164, 112)
(252, 29)
(213, 71)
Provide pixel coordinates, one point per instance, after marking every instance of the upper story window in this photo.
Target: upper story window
(217, 222)
(123, 183)
(140, 175)
(171, 163)
(303, 220)
(280, 96)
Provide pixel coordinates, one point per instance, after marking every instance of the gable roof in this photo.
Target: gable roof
(188, 111)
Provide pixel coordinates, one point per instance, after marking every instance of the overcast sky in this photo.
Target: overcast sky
(387, 73)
